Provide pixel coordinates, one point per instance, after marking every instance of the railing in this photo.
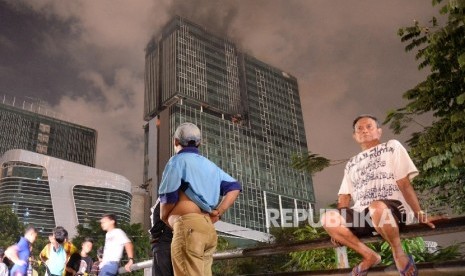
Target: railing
(445, 226)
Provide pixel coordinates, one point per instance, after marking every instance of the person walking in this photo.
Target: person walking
(115, 241)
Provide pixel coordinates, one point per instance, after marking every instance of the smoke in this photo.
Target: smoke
(217, 17)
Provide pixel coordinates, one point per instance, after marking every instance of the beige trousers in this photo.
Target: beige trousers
(193, 245)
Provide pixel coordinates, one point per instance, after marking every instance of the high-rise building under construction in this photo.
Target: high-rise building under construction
(249, 113)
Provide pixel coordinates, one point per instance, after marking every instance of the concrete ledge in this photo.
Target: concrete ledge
(444, 226)
(451, 268)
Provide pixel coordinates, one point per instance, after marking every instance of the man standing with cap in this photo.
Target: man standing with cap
(189, 193)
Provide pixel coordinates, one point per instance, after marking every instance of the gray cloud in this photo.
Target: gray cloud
(6, 43)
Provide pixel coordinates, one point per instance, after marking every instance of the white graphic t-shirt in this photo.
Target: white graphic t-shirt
(372, 174)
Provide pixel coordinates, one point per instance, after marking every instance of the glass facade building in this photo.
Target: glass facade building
(46, 191)
(248, 111)
(24, 187)
(32, 131)
(92, 202)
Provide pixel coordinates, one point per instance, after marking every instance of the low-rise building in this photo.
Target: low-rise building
(47, 191)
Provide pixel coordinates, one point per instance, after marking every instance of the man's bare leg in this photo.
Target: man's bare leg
(334, 224)
(389, 230)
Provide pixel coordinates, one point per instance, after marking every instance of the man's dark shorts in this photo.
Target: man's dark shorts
(361, 224)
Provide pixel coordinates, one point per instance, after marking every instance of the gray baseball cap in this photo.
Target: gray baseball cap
(188, 133)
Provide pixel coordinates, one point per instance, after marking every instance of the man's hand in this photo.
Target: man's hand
(428, 220)
(165, 210)
(335, 242)
(128, 265)
(215, 216)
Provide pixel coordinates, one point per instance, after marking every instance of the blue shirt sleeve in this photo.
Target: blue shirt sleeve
(170, 182)
(23, 245)
(169, 197)
(23, 253)
(226, 187)
(228, 183)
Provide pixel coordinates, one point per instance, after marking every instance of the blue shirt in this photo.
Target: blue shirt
(23, 254)
(200, 179)
(56, 260)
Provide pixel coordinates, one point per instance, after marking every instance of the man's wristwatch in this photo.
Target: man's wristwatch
(132, 259)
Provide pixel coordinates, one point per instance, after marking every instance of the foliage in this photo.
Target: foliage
(453, 252)
(413, 246)
(312, 163)
(312, 259)
(243, 266)
(11, 228)
(326, 258)
(439, 149)
(319, 258)
(141, 241)
(307, 260)
(91, 230)
(416, 247)
(37, 247)
(135, 232)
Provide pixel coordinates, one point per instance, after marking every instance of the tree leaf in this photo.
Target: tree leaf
(461, 99)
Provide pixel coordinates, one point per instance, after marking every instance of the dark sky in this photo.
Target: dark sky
(86, 59)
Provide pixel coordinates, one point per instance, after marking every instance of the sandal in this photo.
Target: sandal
(357, 272)
(409, 268)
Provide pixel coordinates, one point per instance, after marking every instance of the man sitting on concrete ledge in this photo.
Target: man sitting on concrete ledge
(378, 181)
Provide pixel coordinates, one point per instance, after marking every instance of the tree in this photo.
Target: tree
(11, 228)
(439, 149)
